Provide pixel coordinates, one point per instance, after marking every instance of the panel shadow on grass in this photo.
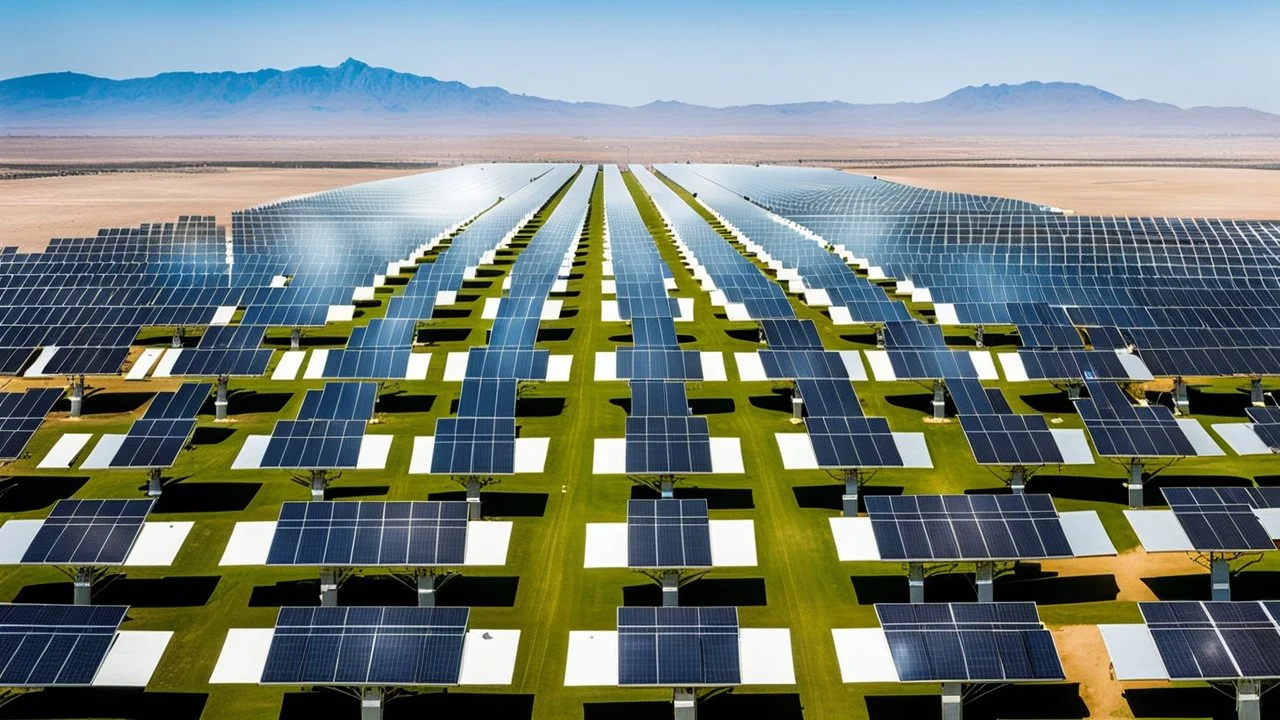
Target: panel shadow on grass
(717, 498)
(736, 706)
(401, 401)
(943, 587)
(919, 402)
(1078, 487)
(248, 402)
(476, 591)
(340, 492)
(831, 495)
(21, 494)
(291, 593)
(188, 497)
(554, 334)
(705, 592)
(778, 400)
(539, 406)
(1051, 403)
(107, 403)
(712, 406)
(211, 435)
(435, 336)
(498, 504)
(105, 703)
(633, 710)
(1225, 404)
(166, 592)
(1197, 702)
(452, 703)
(1057, 701)
(1050, 589)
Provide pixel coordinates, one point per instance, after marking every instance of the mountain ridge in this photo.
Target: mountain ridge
(356, 98)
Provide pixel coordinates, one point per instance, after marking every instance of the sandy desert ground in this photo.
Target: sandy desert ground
(1160, 191)
(34, 210)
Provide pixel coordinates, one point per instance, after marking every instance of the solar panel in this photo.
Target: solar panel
(241, 362)
(790, 334)
(912, 335)
(339, 401)
(88, 532)
(853, 442)
(1222, 519)
(1073, 365)
(1215, 640)
(654, 332)
(828, 398)
(1266, 425)
(971, 398)
(55, 645)
(927, 528)
(506, 363)
(87, 361)
(969, 642)
(364, 646)
(658, 398)
(1119, 429)
(370, 533)
(362, 364)
(487, 398)
(474, 446)
(1010, 439)
(667, 445)
(231, 337)
(649, 364)
(668, 533)
(678, 646)
(314, 444)
(21, 414)
(803, 364)
(931, 364)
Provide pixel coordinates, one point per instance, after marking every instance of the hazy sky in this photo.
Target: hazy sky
(718, 53)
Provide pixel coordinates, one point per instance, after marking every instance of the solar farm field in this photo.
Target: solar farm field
(802, 445)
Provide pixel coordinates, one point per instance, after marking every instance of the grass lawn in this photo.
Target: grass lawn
(543, 590)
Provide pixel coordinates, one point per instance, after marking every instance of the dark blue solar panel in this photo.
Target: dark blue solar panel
(667, 445)
(852, 442)
(506, 363)
(912, 335)
(828, 398)
(88, 533)
(941, 643)
(658, 398)
(21, 414)
(55, 645)
(339, 401)
(474, 446)
(931, 364)
(678, 646)
(1222, 519)
(788, 334)
(487, 398)
(646, 364)
(925, 528)
(668, 533)
(314, 444)
(1215, 640)
(366, 646)
(797, 364)
(654, 332)
(1010, 440)
(370, 533)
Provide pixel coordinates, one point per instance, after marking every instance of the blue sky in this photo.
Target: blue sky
(715, 53)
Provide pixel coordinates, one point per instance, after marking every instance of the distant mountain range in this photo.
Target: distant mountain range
(357, 99)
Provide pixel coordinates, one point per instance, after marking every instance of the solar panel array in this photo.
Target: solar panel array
(1266, 425)
(231, 350)
(481, 439)
(842, 438)
(156, 439)
(21, 414)
(969, 642)
(1121, 429)
(934, 528)
(329, 429)
(1222, 519)
(1215, 640)
(377, 351)
(668, 533)
(678, 646)
(1195, 297)
(366, 646)
(55, 645)
(998, 436)
(370, 533)
(88, 533)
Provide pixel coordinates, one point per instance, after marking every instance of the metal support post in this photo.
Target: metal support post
(667, 488)
(1219, 578)
(685, 704)
(939, 400)
(1255, 392)
(1073, 391)
(1136, 491)
(880, 337)
(77, 395)
(1249, 699)
(371, 704)
(426, 590)
(850, 500)
(153, 482)
(295, 339)
(797, 408)
(83, 587)
(1018, 479)
(473, 499)
(328, 587)
(670, 588)
(220, 402)
(1181, 404)
(985, 577)
(978, 335)
(915, 581)
(952, 702)
(318, 484)
(178, 334)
